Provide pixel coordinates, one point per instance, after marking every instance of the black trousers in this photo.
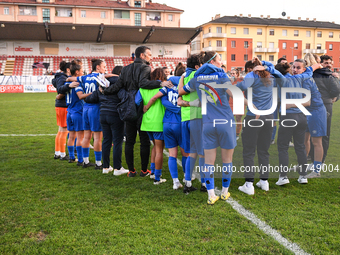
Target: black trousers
(256, 135)
(286, 132)
(113, 132)
(131, 134)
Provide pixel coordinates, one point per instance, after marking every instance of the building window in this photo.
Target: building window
(219, 30)
(295, 58)
(233, 57)
(122, 14)
(83, 14)
(296, 32)
(331, 47)
(284, 56)
(330, 34)
(319, 34)
(259, 57)
(308, 34)
(233, 44)
(27, 10)
(138, 4)
(46, 15)
(271, 45)
(233, 30)
(318, 46)
(246, 45)
(246, 31)
(307, 46)
(138, 19)
(6, 10)
(170, 17)
(219, 43)
(284, 46)
(209, 43)
(271, 32)
(296, 46)
(259, 44)
(153, 16)
(63, 12)
(271, 57)
(45, 1)
(284, 32)
(103, 15)
(245, 57)
(259, 31)
(209, 30)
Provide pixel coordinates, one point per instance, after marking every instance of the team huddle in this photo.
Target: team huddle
(196, 111)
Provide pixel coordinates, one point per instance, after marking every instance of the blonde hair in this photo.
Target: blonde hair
(310, 59)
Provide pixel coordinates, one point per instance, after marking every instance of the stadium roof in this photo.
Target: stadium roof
(58, 32)
(275, 22)
(98, 3)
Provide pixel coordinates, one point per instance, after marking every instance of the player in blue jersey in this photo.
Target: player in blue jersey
(172, 125)
(206, 81)
(91, 122)
(74, 114)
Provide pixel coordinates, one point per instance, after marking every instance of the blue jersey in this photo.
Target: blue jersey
(204, 80)
(87, 84)
(316, 100)
(169, 100)
(74, 104)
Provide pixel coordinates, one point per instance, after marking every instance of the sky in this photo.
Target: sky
(199, 12)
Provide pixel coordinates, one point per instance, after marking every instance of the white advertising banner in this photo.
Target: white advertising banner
(26, 80)
(25, 48)
(98, 49)
(71, 49)
(3, 48)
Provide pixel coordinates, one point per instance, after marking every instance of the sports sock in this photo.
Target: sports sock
(86, 155)
(190, 164)
(80, 154)
(175, 180)
(71, 151)
(209, 179)
(173, 167)
(211, 193)
(158, 173)
(184, 160)
(62, 154)
(201, 162)
(98, 157)
(226, 174)
(62, 141)
(317, 166)
(152, 168)
(57, 140)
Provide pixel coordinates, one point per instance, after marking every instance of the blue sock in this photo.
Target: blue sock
(190, 164)
(274, 133)
(201, 162)
(98, 155)
(172, 162)
(152, 167)
(71, 152)
(317, 166)
(86, 152)
(184, 161)
(80, 154)
(226, 174)
(209, 179)
(158, 173)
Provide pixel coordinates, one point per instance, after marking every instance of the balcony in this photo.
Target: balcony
(215, 49)
(317, 51)
(214, 35)
(260, 49)
(273, 50)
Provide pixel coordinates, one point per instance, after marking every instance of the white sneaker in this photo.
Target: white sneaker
(291, 144)
(152, 176)
(303, 179)
(237, 137)
(264, 185)
(272, 142)
(282, 181)
(121, 171)
(159, 182)
(107, 170)
(248, 189)
(177, 185)
(313, 175)
(91, 147)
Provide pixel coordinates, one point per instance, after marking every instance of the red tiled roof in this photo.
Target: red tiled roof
(100, 3)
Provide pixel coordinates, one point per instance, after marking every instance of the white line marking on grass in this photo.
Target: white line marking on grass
(268, 230)
(28, 134)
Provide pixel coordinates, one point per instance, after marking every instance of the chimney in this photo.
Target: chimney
(333, 22)
(212, 18)
(268, 16)
(249, 15)
(307, 19)
(217, 16)
(314, 19)
(288, 17)
(299, 18)
(241, 15)
(261, 16)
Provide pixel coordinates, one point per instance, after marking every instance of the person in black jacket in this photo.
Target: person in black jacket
(329, 88)
(61, 111)
(133, 77)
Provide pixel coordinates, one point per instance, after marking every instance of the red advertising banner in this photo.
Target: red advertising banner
(11, 88)
(51, 88)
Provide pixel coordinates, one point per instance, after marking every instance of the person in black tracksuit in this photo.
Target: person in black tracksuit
(133, 77)
(329, 88)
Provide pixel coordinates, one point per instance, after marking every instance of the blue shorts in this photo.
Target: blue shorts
(222, 135)
(91, 120)
(172, 135)
(74, 121)
(192, 136)
(156, 135)
(317, 122)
